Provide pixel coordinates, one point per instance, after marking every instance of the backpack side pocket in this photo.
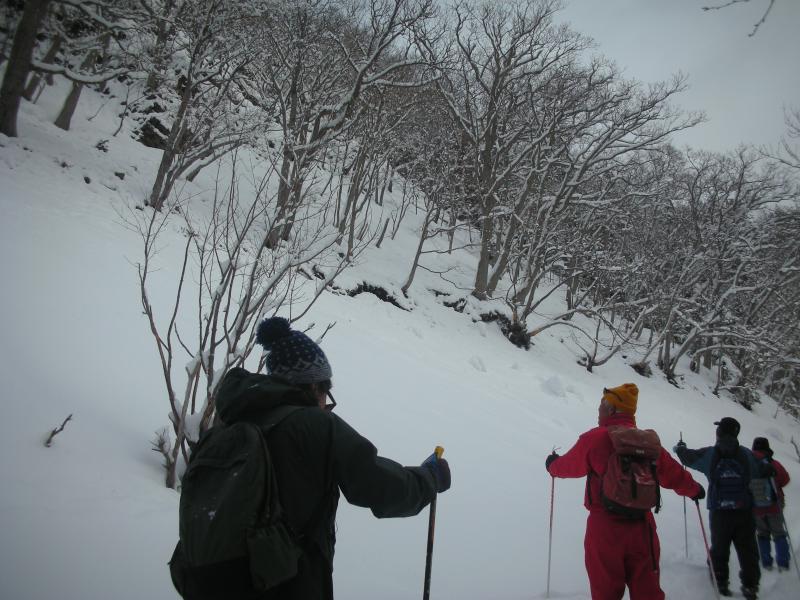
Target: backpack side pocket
(273, 555)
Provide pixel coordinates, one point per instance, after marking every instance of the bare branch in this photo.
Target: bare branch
(49, 441)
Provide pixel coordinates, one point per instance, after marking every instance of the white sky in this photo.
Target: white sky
(741, 82)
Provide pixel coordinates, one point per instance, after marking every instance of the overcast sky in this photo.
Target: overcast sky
(741, 82)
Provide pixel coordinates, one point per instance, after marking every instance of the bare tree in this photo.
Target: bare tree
(229, 279)
(500, 52)
(759, 23)
(210, 119)
(788, 152)
(327, 60)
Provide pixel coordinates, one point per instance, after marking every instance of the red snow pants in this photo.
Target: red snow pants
(620, 553)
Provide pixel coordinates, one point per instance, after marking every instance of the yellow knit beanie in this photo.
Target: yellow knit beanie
(623, 397)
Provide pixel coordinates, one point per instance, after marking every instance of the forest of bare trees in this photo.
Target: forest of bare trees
(487, 118)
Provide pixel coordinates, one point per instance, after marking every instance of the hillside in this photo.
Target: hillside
(90, 518)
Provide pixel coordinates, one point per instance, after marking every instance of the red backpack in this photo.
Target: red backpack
(629, 487)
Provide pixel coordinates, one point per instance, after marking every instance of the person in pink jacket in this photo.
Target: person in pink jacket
(619, 551)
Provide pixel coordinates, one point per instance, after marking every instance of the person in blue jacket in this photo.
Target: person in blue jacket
(729, 468)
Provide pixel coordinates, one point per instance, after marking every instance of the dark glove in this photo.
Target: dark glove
(700, 494)
(550, 458)
(440, 471)
(679, 446)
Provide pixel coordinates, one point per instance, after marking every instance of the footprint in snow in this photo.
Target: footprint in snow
(477, 363)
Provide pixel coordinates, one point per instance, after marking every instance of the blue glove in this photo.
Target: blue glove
(440, 470)
(550, 458)
(679, 446)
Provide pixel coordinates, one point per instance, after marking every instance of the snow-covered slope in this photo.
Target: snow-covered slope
(90, 518)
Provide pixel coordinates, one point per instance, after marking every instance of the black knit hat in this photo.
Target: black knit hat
(728, 426)
(292, 354)
(761, 444)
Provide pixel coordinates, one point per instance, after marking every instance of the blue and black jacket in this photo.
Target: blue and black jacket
(706, 459)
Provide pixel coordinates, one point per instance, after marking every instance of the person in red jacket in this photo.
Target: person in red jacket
(769, 519)
(619, 551)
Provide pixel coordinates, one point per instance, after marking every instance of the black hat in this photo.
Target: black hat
(728, 426)
(292, 354)
(761, 444)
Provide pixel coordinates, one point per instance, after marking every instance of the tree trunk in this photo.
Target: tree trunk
(707, 357)
(666, 355)
(429, 218)
(451, 234)
(64, 118)
(482, 272)
(36, 79)
(572, 283)
(383, 233)
(159, 50)
(19, 64)
(353, 190)
(285, 182)
(161, 190)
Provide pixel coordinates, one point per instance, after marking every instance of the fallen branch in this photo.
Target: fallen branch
(55, 432)
(161, 444)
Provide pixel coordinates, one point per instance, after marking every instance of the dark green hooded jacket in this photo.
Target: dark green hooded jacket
(316, 454)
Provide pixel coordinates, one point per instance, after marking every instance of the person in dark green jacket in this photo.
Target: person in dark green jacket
(316, 454)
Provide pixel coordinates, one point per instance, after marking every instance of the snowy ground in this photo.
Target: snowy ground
(89, 518)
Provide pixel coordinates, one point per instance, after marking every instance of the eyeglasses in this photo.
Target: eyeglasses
(332, 405)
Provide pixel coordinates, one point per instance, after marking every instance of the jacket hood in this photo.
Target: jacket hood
(245, 396)
(619, 418)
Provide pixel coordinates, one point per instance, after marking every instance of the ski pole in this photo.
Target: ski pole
(550, 537)
(426, 590)
(785, 525)
(708, 552)
(685, 525)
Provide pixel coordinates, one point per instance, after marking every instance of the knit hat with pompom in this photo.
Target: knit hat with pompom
(292, 356)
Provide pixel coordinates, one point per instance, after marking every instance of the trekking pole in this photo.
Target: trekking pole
(785, 525)
(550, 536)
(685, 525)
(708, 551)
(426, 590)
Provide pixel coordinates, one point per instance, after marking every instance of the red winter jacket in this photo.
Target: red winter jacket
(781, 481)
(590, 454)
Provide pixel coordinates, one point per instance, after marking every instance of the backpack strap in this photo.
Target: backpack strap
(745, 462)
(654, 467)
(715, 458)
(274, 418)
(271, 509)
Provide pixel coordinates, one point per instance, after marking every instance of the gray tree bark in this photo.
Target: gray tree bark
(19, 64)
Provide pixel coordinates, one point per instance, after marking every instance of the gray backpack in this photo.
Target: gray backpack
(763, 494)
